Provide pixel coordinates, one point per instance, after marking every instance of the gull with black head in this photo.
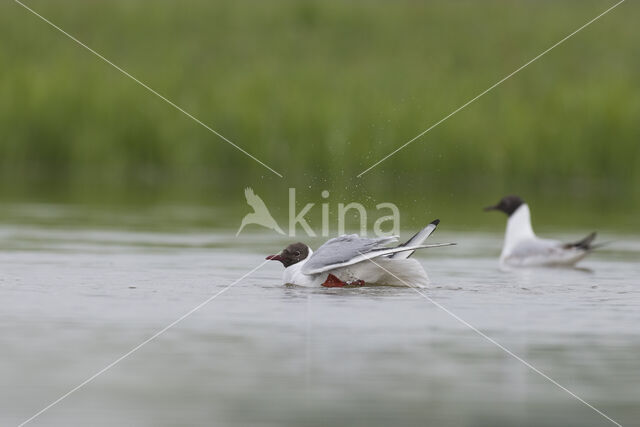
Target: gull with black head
(522, 248)
(345, 261)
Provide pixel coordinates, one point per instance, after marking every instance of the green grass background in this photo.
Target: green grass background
(320, 90)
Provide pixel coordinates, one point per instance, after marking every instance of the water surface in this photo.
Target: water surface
(73, 299)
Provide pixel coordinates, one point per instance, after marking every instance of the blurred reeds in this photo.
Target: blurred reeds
(320, 90)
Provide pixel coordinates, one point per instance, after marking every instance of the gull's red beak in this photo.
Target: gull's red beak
(274, 258)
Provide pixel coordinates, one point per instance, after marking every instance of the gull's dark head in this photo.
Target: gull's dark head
(292, 254)
(508, 205)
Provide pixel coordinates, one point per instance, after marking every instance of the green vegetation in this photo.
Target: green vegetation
(320, 90)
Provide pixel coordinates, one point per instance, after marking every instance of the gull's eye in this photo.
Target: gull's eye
(297, 253)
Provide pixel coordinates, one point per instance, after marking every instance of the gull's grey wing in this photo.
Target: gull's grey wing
(549, 247)
(534, 252)
(537, 247)
(381, 252)
(343, 249)
(417, 239)
(348, 251)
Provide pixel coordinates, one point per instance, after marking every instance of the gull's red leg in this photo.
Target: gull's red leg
(333, 282)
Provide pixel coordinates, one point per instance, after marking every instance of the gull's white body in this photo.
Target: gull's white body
(385, 271)
(351, 258)
(522, 248)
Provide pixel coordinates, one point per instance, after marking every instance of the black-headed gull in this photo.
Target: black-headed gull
(522, 248)
(349, 260)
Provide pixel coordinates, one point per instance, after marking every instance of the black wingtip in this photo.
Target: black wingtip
(585, 243)
(435, 222)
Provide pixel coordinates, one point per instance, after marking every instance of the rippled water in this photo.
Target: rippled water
(74, 300)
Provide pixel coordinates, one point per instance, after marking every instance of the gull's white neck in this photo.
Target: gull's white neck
(518, 229)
